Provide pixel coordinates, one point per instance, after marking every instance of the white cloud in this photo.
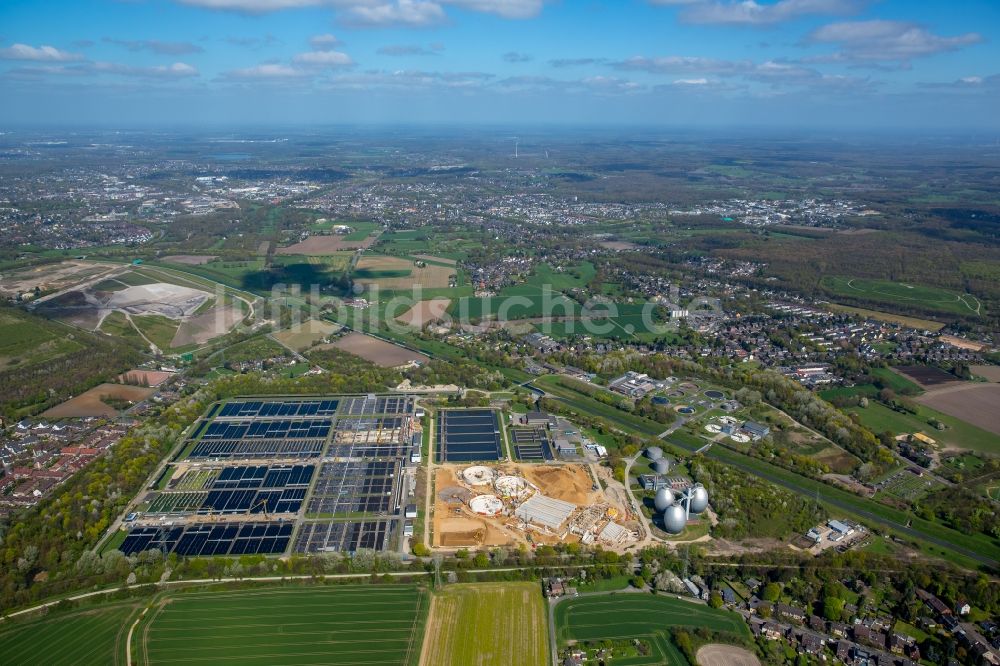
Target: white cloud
(750, 12)
(886, 41)
(177, 70)
(684, 64)
(403, 13)
(323, 59)
(691, 82)
(515, 57)
(576, 62)
(38, 54)
(252, 6)
(511, 9)
(400, 50)
(266, 71)
(377, 13)
(156, 46)
(325, 42)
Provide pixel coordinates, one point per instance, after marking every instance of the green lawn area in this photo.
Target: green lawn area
(897, 382)
(302, 625)
(903, 628)
(870, 511)
(958, 433)
(589, 406)
(359, 230)
(231, 273)
(626, 616)
(116, 324)
(94, 635)
(488, 624)
(605, 584)
(902, 294)
(157, 328)
(25, 339)
(337, 261)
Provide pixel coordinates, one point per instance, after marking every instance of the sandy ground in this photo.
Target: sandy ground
(506, 620)
(322, 245)
(306, 334)
(961, 343)
(377, 351)
(618, 245)
(569, 483)
(988, 372)
(716, 654)
(150, 377)
(974, 403)
(457, 526)
(52, 276)
(169, 300)
(202, 328)
(90, 404)
(189, 259)
(429, 277)
(431, 257)
(425, 312)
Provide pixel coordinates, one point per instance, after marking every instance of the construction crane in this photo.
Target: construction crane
(263, 503)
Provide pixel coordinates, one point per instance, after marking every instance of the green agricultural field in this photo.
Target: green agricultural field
(957, 433)
(897, 382)
(359, 230)
(355, 624)
(236, 274)
(93, 635)
(25, 339)
(902, 294)
(488, 624)
(339, 261)
(627, 616)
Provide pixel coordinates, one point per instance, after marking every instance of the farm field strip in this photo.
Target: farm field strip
(628, 616)
(88, 636)
(489, 624)
(342, 625)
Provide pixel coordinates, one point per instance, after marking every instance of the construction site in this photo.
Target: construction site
(510, 504)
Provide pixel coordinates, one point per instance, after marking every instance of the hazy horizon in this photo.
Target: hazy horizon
(838, 64)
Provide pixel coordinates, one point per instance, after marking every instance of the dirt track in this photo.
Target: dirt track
(324, 245)
(725, 655)
(377, 351)
(89, 403)
(202, 328)
(425, 312)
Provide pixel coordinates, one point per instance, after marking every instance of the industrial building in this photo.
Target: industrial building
(546, 512)
(635, 384)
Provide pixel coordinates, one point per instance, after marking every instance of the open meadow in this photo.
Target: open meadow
(903, 294)
(344, 624)
(487, 624)
(645, 616)
(92, 402)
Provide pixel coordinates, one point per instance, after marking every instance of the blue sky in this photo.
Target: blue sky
(783, 63)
